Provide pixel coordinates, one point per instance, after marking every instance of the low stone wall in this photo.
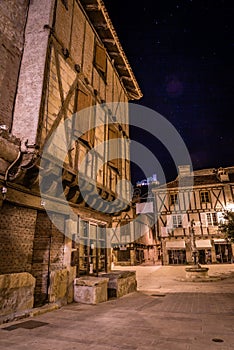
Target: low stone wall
(121, 283)
(16, 292)
(90, 290)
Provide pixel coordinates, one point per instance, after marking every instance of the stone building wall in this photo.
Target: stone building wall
(13, 14)
(59, 75)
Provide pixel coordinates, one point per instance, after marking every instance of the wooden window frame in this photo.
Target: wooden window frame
(174, 198)
(205, 196)
(177, 221)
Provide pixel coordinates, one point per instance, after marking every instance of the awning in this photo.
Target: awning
(219, 241)
(175, 245)
(203, 243)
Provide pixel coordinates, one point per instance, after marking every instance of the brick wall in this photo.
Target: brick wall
(17, 226)
(48, 254)
(12, 21)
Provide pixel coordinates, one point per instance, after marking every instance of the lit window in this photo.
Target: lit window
(205, 198)
(212, 219)
(177, 221)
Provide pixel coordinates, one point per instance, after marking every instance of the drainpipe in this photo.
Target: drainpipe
(48, 271)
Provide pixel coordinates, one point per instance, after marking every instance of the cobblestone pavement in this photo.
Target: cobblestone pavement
(168, 278)
(165, 313)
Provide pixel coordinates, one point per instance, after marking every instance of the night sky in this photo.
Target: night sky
(182, 55)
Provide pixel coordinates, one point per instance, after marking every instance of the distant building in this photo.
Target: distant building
(189, 210)
(149, 181)
(134, 244)
(137, 244)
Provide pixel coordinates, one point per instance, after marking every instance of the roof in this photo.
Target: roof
(98, 15)
(207, 179)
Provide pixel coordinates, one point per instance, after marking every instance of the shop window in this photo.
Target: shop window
(205, 197)
(124, 254)
(177, 256)
(92, 248)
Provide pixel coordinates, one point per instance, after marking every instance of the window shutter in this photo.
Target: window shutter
(169, 221)
(203, 219)
(185, 221)
(84, 121)
(113, 150)
(164, 231)
(100, 58)
(220, 217)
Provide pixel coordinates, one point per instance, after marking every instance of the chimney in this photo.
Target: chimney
(184, 170)
(222, 175)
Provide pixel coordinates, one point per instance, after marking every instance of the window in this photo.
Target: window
(212, 219)
(173, 199)
(205, 197)
(100, 59)
(176, 221)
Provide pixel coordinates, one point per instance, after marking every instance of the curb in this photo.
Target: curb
(28, 313)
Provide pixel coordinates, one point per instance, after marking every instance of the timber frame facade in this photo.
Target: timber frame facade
(189, 210)
(71, 59)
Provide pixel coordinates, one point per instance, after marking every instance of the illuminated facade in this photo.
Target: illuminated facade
(69, 59)
(189, 211)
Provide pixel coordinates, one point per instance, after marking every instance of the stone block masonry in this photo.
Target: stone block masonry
(121, 283)
(90, 290)
(13, 15)
(16, 292)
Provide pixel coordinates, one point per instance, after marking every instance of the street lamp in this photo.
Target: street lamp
(193, 245)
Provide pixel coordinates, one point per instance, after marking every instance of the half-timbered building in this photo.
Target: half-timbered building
(69, 59)
(189, 210)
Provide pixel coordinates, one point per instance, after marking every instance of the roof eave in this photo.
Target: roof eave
(98, 15)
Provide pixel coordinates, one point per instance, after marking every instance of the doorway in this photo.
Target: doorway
(92, 248)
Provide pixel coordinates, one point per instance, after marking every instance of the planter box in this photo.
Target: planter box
(90, 290)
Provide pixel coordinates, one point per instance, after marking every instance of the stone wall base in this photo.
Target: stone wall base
(16, 292)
